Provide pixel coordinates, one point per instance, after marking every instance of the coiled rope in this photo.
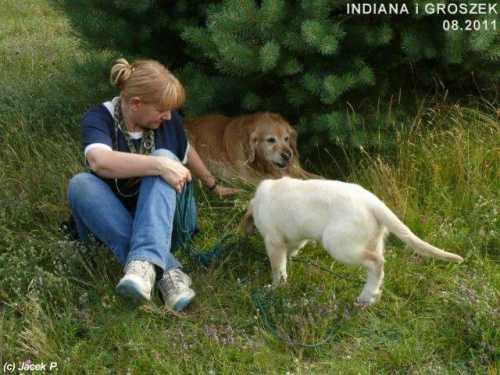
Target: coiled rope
(184, 218)
(228, 242)
(261, 303)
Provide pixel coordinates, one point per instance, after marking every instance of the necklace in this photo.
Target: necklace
(147, 146)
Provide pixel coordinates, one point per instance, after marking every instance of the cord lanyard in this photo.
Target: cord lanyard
(147, 146)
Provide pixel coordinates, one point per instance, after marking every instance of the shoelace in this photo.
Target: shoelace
(173, 279)
(140, 268)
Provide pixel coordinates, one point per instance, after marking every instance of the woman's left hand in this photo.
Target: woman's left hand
(222, 191)
(200, 171)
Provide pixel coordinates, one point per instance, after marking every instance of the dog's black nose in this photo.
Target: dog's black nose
(286, 156)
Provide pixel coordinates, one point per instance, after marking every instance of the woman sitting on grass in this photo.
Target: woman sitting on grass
(137, 150)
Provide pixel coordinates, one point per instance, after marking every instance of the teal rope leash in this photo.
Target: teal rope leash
(183, 218)
(258, 303)
(183, 224)
(205, 258)
(256, 297)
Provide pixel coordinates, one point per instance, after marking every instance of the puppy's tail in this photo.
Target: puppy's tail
(398, 228)
(247, 221)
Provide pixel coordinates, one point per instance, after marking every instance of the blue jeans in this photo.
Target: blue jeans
(148, 234)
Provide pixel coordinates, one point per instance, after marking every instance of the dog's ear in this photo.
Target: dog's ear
(250, 145)
(293, 140)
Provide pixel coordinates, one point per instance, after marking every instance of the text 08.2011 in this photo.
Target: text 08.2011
(469, 25)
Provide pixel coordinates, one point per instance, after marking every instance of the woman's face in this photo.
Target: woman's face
(151, 115)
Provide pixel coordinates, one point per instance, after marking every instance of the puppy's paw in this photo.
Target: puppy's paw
(365, 302)
(278, 284)
(279, 280)
(360, 304)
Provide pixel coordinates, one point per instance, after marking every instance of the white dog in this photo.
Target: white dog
(350, 222)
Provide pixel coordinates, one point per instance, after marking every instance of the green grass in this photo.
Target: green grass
(58, 302)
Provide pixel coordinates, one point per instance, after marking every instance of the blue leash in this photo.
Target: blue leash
(184, 217)
(182, 224)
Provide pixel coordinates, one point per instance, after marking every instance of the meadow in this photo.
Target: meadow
(57, 299)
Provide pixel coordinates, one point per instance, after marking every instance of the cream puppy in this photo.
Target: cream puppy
(348, 220)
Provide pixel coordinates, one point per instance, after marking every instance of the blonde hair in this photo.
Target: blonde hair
(148, 80)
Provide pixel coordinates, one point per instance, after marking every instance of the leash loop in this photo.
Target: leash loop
(183, 221)
(256, 297)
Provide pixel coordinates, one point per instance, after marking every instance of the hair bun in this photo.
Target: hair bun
(120, 72)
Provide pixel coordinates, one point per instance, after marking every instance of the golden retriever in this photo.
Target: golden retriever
(252, 147)
(348, 220)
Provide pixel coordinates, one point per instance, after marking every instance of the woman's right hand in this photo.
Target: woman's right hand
(115, 164)
(174, 173)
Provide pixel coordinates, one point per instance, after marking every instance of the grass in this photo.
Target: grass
(57, 301)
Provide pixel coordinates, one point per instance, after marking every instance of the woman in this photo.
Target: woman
(140, 159)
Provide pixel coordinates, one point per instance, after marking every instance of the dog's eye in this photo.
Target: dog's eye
(287, 138)
(270, 140)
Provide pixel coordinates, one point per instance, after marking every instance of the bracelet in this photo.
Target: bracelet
(212, 188)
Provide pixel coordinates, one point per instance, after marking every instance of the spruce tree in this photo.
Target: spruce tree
(306, 59)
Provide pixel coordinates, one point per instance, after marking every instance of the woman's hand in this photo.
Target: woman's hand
(116, 164)
(222, 191)
(200, 171)
(174, 173)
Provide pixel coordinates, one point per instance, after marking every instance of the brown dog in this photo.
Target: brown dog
(253, 147)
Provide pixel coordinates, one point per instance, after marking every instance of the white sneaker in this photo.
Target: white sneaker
(175, 289)
(138, 280)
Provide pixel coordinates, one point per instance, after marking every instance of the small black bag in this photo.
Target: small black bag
(68, 228)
